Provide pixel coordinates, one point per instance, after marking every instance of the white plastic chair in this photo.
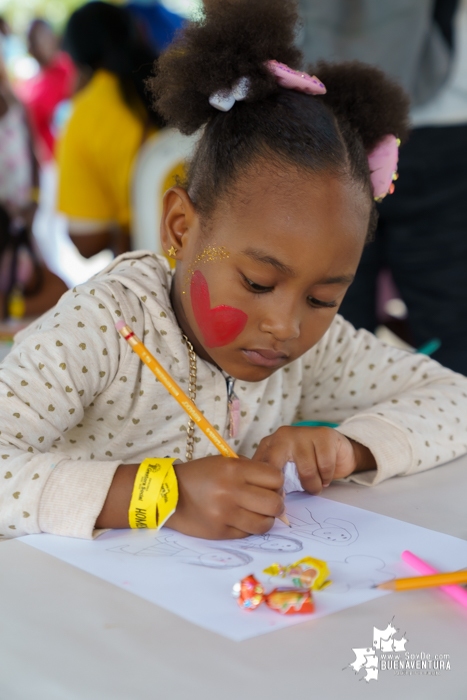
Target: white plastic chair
(157, 158)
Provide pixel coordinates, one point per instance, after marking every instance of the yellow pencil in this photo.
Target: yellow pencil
(406, 584)
(172, 387)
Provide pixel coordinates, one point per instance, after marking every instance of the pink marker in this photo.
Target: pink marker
(457, 592)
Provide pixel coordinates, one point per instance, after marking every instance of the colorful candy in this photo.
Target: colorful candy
(292, 594)
(290, 602)
(250, 593)
(304, 573)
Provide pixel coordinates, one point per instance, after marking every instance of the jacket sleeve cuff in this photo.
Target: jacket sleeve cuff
(73, 498)
(388, 443)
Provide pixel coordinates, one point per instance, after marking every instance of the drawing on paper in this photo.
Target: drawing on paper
(269, 543)
(332, 531)
(357, 571)
(171, 546)
(193, 577)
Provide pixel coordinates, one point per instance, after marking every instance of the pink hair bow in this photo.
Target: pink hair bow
(383, 166)
(383, 158)
(295, 80)
(286, 77)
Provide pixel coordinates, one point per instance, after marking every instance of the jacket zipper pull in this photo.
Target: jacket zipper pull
(234, 408)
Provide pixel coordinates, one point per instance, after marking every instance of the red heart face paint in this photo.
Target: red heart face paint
(220, 325)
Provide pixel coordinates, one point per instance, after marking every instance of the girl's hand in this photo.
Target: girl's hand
(320, 454)
(223, 498)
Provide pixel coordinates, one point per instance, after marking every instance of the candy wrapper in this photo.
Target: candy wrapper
(304, 573)
(290, 593)
(250, 593)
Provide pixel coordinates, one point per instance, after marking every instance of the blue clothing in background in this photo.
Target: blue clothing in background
(158, 23)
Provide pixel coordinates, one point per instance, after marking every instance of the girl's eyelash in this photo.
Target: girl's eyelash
(322, 304)
(258, 288)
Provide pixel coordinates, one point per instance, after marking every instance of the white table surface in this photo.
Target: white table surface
(66, 635)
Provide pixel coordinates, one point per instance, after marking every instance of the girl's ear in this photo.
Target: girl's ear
(179, 220)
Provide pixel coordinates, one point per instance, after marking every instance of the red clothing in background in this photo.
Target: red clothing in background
(42, 94)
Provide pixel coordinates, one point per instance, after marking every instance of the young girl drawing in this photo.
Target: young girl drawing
(267, 234)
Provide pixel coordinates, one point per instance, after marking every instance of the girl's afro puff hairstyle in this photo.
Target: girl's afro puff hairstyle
(334, 132)
(231, 39)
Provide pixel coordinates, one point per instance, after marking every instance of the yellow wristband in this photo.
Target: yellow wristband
(155, 494)
(168, 496)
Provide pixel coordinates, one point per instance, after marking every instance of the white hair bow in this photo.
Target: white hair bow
(225, 99)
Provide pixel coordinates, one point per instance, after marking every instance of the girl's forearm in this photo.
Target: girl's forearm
(114, 513)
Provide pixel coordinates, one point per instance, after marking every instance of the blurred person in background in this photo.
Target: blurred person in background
(53, 84)
(110, 120)
(27, 286)
(422, 231)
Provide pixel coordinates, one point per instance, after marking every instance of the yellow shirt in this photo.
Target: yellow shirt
(96, 153)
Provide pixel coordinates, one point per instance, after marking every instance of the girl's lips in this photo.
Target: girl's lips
(265, 358)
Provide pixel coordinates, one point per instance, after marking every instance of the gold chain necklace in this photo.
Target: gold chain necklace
(190, 440)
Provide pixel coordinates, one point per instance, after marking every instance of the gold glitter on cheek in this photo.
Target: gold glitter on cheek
(211, 254)
(208, 254)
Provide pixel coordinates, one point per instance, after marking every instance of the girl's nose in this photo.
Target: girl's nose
(283, 325)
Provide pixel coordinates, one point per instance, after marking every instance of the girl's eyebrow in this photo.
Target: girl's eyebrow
(340, 279)
(264, 257)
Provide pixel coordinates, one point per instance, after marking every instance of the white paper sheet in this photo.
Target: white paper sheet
(193, 578)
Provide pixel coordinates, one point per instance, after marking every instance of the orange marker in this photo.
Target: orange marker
(172, 387)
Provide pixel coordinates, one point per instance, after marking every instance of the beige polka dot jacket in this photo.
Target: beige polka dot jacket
(75, 401)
